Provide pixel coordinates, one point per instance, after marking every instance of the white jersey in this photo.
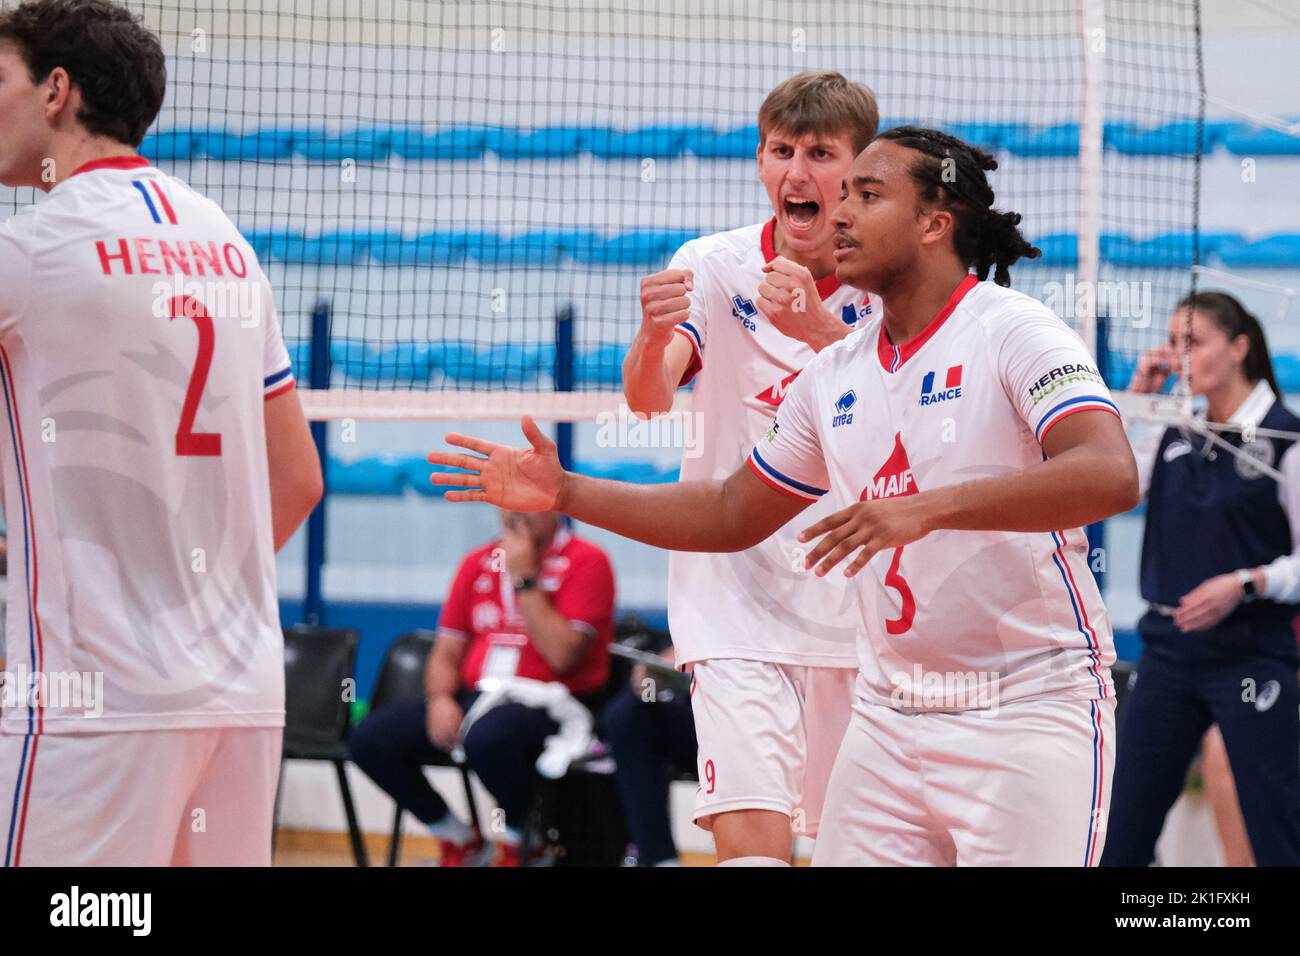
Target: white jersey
(1007, 615)
(137, 342)
(757, 604)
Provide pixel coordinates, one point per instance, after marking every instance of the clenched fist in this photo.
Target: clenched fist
(665, 303)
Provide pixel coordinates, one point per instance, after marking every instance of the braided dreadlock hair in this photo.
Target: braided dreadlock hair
(951, 172)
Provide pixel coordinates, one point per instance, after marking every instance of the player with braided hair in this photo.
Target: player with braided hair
(952, 174)
(966, 438)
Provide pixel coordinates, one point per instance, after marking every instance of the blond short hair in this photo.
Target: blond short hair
(821, 103)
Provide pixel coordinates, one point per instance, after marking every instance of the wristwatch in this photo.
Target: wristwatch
(1247, 580)
(524, 584)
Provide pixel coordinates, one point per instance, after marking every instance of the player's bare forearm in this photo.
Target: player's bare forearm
(645, 380)
(684, 516)
(715, 516)
(293, 466)
(1089, 475)
(560, 645)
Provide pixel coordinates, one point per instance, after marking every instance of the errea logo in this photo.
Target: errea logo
(951, 387)
(844, 409)
(744, 310)
(850, 314)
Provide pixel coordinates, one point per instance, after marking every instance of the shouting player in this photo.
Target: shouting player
(966, 437)
(155, 457)
(772, 647)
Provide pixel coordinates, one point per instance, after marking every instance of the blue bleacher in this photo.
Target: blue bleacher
(412, 142)
(375, 475)
(1269, 252)
(1247, 141)
(737, 144)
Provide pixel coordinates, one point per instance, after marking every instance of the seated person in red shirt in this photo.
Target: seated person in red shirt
(536, 603)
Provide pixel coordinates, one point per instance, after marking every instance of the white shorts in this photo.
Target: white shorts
(202, 797)
(768, 735)
(1027, 785)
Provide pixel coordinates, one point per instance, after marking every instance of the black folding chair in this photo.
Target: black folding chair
(401, 677)
(317, 663)
(578, 820)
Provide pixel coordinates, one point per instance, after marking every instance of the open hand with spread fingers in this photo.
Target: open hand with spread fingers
(871, 526)
(517, 479)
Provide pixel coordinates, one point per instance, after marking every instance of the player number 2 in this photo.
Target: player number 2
(903, 623)
(188, 441)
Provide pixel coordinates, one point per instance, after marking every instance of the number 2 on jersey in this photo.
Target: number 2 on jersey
(903, 623)
(188, 441)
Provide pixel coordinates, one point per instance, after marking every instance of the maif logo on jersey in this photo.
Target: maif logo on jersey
(895, 478)
(844, 409)
(951, 387)
(776, 394)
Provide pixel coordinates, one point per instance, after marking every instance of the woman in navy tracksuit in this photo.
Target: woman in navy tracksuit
(1221, 577)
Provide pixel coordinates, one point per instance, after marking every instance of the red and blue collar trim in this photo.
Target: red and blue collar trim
(893, 356)
(111, 162)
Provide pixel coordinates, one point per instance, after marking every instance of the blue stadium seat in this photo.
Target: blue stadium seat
(268, 145)
(1245, 141)
(276, 244)
(511, 365)
(363, 145)
(1118, 369)
(529, 250)
(1168, 250)
(659, 142)
(1286, 366)
(987, 136)
(602, 366)
(355, 358)
(646, 249)
(1169, 139)
(1271, 252)
(429, 249)
(1041, 141)
(404, 363)
(343, 248)
(168, 146)
(418, 470)
(1059, 249)
(300, 358)
(374, 475)
(710, 144)
(551, 142)
(461, 361)
(461, 142)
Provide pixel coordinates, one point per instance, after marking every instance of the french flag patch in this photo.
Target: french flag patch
(951, 387)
